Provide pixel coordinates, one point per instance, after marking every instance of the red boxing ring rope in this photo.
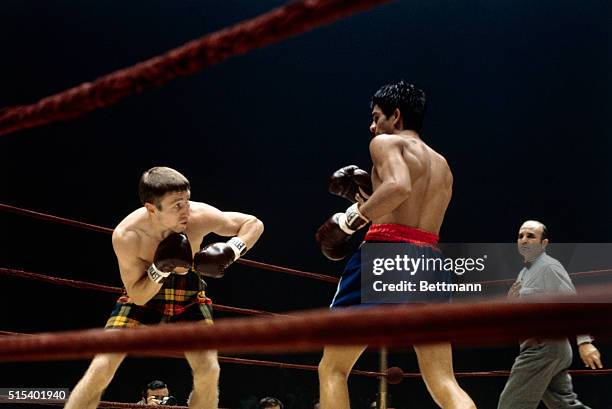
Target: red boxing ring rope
(292, 19)
(489, 324)
(272, 333)
(247, 262)
(87, 226)
(105, 288)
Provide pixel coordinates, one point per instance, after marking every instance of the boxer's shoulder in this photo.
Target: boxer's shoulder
(127, 244)
(203, 219)
(132, 221)
(200, 207)
(384, 144)
(385, 141)
(128, 236)
(201, 213)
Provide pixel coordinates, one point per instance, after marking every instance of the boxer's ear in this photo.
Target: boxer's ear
(151, 208)
(396, 117)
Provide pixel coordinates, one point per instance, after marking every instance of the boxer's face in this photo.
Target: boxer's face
(380, 123)
(529, 240)
(174, 213)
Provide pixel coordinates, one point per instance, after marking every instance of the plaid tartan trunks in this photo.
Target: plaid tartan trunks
(181, 298)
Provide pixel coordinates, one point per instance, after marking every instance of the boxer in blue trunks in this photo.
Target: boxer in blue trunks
(406, 199)
(415, 244)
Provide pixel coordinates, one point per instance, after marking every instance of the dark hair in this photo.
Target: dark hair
(157, 181)
(544, 232)
(409, 99)
(269, 402)
(153, 385)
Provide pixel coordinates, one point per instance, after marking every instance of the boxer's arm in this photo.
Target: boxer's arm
(244, 226)
(395, 174)
(139, 287)
(212, 260)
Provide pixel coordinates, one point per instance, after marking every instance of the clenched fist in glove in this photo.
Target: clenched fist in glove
(333, 236)
(172, 252)
(351, 183)
(213, 259)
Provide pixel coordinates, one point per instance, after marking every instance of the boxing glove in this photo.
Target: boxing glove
(213, 259)
(172, 252)
(333, 235)
(351, 183)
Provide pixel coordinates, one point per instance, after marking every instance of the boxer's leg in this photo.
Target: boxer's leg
(88, 392)
(436, 365)
(334, 369)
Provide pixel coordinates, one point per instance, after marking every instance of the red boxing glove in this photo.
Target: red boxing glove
(351, 183)
(213, 259)
(172, 252)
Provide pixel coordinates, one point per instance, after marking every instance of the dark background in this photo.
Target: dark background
(519, 103)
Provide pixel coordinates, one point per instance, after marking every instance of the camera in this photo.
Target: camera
(168, 400)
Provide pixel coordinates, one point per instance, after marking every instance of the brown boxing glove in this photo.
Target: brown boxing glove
(172, 252)
(213, 259)
(333, 236)
(351, 183)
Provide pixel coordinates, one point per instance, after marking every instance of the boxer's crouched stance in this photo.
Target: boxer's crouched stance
(161, 266)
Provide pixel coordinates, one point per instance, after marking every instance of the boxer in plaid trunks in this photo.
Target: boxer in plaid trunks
(181, 298)
(161, 266)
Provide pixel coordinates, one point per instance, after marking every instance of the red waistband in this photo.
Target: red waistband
(400, 233)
